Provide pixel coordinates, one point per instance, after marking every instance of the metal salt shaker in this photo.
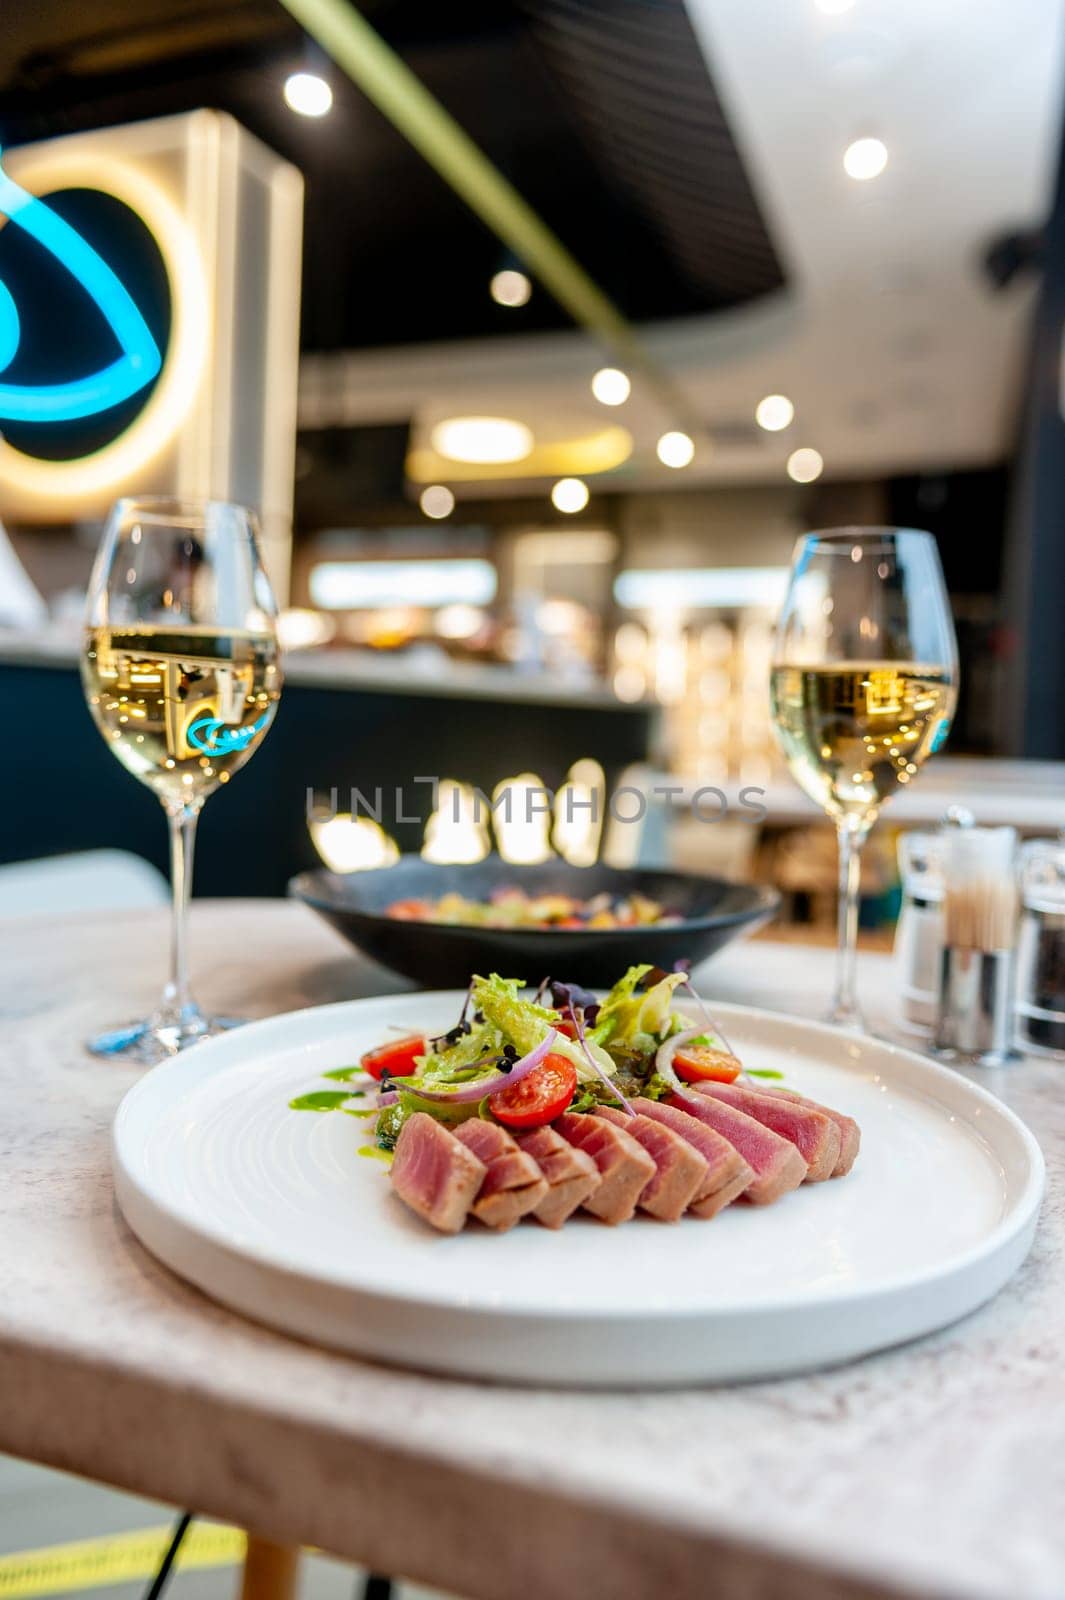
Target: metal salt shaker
(919, 929)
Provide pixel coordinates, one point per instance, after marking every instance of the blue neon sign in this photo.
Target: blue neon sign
(135, 368)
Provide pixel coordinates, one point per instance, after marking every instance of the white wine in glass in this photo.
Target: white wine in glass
(863, 689)
(181, 674)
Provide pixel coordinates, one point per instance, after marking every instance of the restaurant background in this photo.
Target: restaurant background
(535, 333)
(532, 510)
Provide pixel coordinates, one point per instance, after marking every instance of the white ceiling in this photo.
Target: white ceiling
(890, 340)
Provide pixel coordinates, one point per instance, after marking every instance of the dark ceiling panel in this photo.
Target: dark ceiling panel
(600, 111)
(640, 89)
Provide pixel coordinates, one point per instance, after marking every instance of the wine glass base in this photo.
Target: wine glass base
(157, 1039)
(850, 1020)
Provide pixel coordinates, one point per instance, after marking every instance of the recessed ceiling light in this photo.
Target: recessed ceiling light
(569, 494)
(510, 288)
(675, 449)
(482, 440)
(834, 8)
(865, 158)
(774, 412)
(805, 465)
(437, 500)
(308, 94)
(611, 386)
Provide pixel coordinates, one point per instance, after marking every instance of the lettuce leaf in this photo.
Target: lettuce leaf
(523, 1023)
(454, 1060)
(638, 1022)
(624, 989)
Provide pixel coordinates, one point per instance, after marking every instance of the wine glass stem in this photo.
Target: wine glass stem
(851, 836)
(178, 1003)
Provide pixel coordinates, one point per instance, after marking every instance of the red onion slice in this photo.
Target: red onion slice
(604, 1077)
(711, 1025)
(465, 1093)
(664, 1061)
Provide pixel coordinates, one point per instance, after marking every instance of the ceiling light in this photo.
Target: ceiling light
(805, 465)
(569, 494)
(774, 412)
(510, 288)
(611, 386)
(865, 158)
(675, 449)
(308, 94)
(437, 500)
(834, 8)
(482, 440)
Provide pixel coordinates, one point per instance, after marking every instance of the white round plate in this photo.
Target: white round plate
(273, 1212)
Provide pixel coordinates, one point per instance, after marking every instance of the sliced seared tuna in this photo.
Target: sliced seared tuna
(513, 1184)
(813, 1133)
(624, 1166)
(571, 1175)
(434, 1174)
(849, 1132)
(680, 1171)
(777, 1165)
(727, 1174)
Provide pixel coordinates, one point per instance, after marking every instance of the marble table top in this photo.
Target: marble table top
(937, 1469)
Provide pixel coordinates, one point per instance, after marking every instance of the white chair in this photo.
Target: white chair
(90, 880)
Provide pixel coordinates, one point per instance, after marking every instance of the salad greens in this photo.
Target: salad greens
(607, 1047)
(622, 1034)
(634, 1024)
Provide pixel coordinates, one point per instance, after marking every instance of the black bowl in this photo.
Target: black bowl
(443, 956)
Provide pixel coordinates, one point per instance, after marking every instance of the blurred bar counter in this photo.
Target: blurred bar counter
(359, 669)
(1026, 795)
(345, 720)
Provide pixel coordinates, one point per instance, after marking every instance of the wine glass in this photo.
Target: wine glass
(181, 674)
(864, 684)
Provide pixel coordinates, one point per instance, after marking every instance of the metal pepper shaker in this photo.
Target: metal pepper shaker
(1041, 949)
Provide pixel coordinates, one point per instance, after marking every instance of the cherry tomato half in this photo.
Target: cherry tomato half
(538, 1098)
(698, 1063)
(396, 1057)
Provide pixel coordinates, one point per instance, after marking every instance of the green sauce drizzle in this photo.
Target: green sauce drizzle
(320, 1100)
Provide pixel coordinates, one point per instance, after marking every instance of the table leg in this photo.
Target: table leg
(270, 1571)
